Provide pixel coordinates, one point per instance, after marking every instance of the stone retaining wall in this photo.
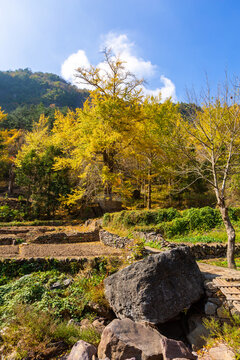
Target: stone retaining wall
(199, 251)
(66, 238)
(208, 251)
(113, 240)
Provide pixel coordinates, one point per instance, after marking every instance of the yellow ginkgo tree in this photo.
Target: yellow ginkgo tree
(96, 136)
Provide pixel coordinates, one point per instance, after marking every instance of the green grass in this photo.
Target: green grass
(35, 313)
(192, 225)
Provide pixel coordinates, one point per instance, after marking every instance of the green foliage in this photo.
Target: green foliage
(204, 239)
(8, 214)
(12, 268)
(175, 227)
(141, 217)
(23, 117)
(23, 87)
(171, 222)
(37, 289)
(137, 250)
(234, 214)
(31, 332)
(42, 185)
(202, 219)
(222, 262)
(227, 332)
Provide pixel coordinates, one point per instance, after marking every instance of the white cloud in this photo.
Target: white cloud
(168, 90)
(75, 60)
(122, 47)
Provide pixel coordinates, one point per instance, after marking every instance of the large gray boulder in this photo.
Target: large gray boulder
(125, 339)
(157, 288)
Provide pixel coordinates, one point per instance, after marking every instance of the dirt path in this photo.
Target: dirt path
(212, 271)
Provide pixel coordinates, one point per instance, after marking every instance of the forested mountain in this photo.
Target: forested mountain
(24, 95)
(24, 87)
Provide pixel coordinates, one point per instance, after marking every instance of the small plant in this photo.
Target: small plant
(137, 250)
(227, 332)
(31, 332)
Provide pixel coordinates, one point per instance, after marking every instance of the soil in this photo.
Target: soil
(78, 250)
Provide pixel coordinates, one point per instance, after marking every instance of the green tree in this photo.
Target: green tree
(35, 173)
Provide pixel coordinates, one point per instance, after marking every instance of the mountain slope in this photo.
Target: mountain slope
(24, 87)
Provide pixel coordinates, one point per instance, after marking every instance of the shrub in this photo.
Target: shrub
(167, 214)
(204, 218)
(8, 214)
(175, 227)
(106, 219)
(234, 214)
(140, 217)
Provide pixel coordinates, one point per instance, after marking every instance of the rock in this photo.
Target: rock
(210, 308)
(221, 352)
(82, 351)
(114, 240)
(222, 312)
(67, 282)
(61, 284)
(210, 286)
(125, 339)
(86, 324)
(234, 311)
(215, 300)
(99, 324)
(52, 238)
(101, 310)
(157, 288)
(197, 332)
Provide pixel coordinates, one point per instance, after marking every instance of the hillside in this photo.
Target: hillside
(24, 87)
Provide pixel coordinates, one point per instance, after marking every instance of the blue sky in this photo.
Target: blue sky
(172, 43)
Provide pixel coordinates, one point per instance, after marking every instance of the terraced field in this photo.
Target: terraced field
(57, 243)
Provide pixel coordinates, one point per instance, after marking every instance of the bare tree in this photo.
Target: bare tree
(211, 142)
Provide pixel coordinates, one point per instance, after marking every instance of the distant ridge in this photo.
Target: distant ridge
(24, 87)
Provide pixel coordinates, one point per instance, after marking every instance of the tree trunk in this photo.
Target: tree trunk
(11, 180)
(108, 160)
(149, 200)
(230, 234)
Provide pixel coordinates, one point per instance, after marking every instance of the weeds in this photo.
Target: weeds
(227, 332)
(32, 331)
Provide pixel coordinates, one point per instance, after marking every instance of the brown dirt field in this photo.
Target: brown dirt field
(77, 250)
(9, 251)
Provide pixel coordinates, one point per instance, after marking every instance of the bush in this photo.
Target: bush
(202, 219)
(234, 214)
(8, 214)
(167, 214)
(140, 217)
(178, 226)
(170, 222)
